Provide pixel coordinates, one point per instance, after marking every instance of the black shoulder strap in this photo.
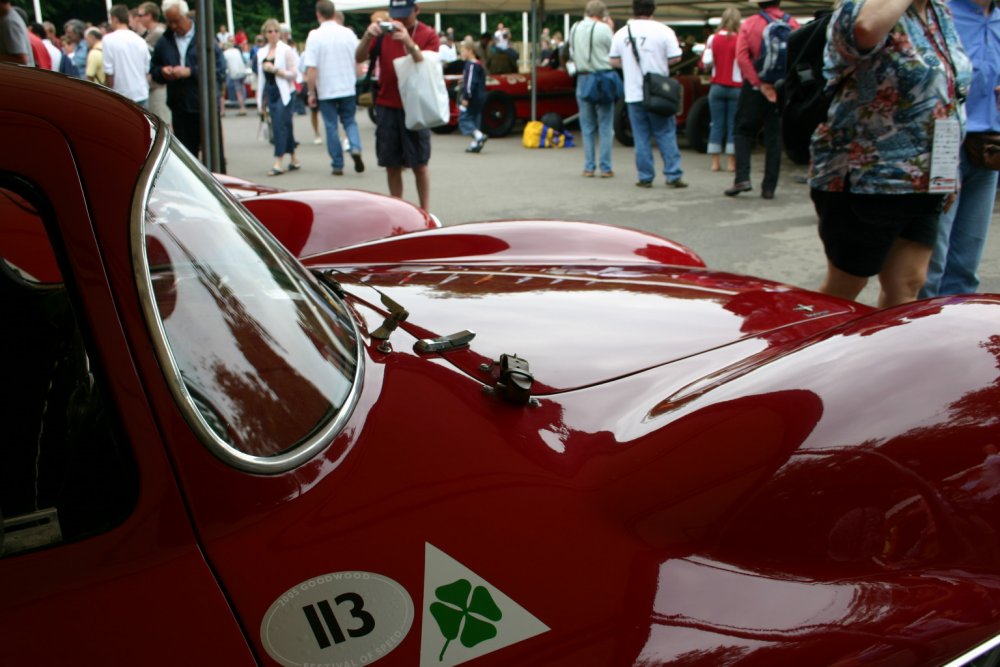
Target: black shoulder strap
(373, 57)
(635, 51)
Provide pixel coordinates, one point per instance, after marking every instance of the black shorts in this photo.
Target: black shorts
(858, 230)
(395, 146)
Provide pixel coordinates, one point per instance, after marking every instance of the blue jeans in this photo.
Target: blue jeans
(646, 127)
(595, 118)
(469, 121)
(235, 89)
(962, 234)
(281, 121)
(722, 102)
(344, 109)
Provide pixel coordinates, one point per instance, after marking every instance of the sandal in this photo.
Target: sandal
(294, 166)
(274, 171)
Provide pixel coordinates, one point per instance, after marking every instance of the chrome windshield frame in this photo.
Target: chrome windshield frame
(975, 653)
(279, 463)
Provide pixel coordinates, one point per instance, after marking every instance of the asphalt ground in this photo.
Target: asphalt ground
(773, 239)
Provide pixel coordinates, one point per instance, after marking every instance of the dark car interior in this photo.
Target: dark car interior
(64, 473)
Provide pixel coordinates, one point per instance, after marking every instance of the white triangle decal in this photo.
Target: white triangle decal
(464, 616)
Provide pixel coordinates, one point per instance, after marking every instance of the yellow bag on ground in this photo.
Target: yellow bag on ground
(539, 135)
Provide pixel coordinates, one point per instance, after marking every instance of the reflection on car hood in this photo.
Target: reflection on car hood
(579, 326)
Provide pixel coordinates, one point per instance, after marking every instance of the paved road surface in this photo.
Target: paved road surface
(773, 239)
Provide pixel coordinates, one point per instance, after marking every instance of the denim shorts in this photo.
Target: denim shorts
(858, 230)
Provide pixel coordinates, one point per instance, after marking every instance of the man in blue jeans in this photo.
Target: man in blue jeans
(962, 228)
(589, 43)
(657, 48)
(331, 79)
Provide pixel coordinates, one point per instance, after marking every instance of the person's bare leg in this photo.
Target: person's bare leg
(423, 176)
(842, 284)
(395, 176)
(904, 272)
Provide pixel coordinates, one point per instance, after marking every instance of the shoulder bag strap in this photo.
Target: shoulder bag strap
(590, 48)
(635, 51)
(372, 57)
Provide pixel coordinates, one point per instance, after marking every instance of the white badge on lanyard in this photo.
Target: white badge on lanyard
(944, 156)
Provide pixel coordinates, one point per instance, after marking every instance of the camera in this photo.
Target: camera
(387, 26)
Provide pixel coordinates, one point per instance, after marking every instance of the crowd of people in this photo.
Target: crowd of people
(897, 176)
(901, 175)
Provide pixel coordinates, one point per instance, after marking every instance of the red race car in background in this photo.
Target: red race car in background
(508, 101)
(317, 429)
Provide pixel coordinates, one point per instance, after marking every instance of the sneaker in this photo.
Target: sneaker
(337, 172)
(742, 186)
(588, 174)
(607, 174)
(644, 184)
(676, 184)
(318, 140)
(481, 142)
(359, 165)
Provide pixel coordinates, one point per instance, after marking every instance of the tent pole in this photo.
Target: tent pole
(38, 11)
(482, 22)
(525, 48)
(229, 18)
(534, 60)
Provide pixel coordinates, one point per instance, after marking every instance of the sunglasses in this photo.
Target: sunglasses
(271, 30)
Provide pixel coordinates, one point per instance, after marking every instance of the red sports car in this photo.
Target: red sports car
(239, 436)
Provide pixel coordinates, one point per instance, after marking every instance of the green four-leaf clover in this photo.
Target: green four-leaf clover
(458, 602)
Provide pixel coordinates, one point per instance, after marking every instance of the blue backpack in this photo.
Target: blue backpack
(773, 58)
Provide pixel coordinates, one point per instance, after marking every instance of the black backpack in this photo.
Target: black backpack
(804, 98)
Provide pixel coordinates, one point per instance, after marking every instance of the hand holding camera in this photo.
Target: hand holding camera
(387, 26)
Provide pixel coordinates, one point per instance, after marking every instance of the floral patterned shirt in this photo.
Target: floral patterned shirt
(879, 130)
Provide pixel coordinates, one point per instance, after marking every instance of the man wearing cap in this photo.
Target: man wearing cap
(757, 104)
(395, 146)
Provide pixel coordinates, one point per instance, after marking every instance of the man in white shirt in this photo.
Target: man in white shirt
(126, 58)
(331, 77)
(658, 49)
(447, 51)
(502, 37)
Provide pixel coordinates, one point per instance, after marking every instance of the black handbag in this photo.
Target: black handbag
(983, 149)
(661, 94)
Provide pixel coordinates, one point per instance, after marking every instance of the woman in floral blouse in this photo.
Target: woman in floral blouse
(899, 75)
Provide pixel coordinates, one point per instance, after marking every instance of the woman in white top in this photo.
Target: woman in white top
(276, 63)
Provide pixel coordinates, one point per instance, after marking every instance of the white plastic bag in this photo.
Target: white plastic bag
(422, 89)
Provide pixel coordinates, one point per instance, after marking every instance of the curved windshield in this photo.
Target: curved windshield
(264, 360)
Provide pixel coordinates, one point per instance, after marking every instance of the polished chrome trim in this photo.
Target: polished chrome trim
(218, 447)
(977, 652)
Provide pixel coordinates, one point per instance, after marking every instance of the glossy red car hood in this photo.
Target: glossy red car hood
(578, 326)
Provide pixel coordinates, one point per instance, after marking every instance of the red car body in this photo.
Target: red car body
(634, 460)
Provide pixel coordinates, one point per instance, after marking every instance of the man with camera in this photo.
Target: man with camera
(395, 146)
(330, 78)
